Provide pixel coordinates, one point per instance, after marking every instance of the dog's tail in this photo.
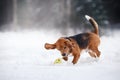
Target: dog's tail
(94, 24)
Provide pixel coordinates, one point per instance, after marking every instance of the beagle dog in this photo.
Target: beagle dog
(75, 44)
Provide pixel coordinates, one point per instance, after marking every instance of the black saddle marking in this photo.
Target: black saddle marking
(81, 39)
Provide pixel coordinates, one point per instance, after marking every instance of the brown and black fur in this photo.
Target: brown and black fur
(75, 44)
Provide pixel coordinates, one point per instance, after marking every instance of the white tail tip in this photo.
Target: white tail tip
(87, 17)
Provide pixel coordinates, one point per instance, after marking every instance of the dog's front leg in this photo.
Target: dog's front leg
(75, 59)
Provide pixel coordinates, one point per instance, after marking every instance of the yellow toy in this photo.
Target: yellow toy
(58, 61)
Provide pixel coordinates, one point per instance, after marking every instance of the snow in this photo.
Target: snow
(23, 57)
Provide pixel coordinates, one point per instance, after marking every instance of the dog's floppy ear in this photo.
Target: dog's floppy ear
(50, 46)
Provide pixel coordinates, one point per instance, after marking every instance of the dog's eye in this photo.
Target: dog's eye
(65, 47)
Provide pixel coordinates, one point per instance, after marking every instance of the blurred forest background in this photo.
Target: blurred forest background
(58, 14)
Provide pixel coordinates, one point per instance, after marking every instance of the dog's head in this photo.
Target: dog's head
(63, 45)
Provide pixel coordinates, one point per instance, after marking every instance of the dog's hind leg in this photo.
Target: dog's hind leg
(94, 52)
(97, 52)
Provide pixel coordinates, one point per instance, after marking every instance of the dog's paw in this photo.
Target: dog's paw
(74, 62)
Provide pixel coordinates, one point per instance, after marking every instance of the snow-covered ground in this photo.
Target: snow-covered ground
(23, 57)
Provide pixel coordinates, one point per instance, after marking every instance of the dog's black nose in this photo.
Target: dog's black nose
(64, 54)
